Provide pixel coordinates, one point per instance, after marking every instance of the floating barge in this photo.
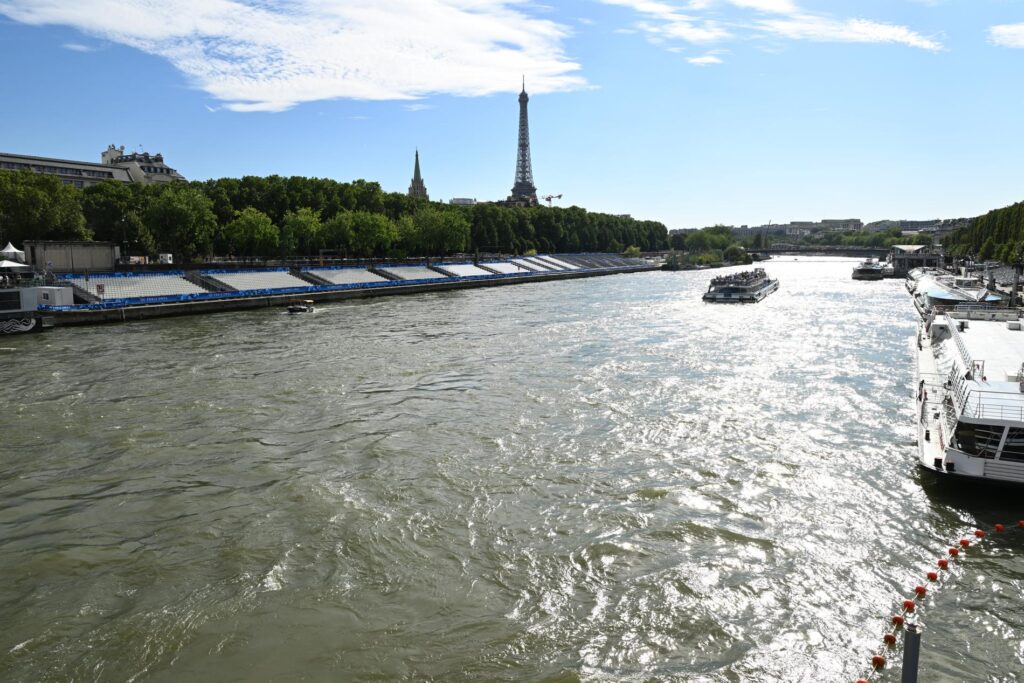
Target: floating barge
(115, 297)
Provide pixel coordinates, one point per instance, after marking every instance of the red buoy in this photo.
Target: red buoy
(909, 605)
(933, 576)
(1020, 523)
(897, 619)
(965, 543)
(954, 552)
(1000, 528)
(920, 590)
(878, 661)
(862, 680)
(943, 564)
(889, 639)
(979, 533)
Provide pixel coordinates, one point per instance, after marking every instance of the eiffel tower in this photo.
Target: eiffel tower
(523, 192)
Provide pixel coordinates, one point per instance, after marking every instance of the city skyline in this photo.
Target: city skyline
(691, 113)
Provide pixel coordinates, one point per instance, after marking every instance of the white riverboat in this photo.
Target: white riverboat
(970, 395)
(936, 291)
(869, 269)
(19, 307)
(750, 286)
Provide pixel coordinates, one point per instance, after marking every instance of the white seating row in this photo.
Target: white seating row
(506, 267)
(274, 279)
(465, 270)
(412, 272)
(347, 276)
(138, 286)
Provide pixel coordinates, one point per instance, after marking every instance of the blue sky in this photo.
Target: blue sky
(691, 112)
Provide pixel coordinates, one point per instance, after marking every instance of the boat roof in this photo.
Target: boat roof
(991, 341)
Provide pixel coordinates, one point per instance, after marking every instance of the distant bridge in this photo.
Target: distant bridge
(822, 250)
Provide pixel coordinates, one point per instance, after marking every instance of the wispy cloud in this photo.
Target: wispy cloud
(706, 60)
(706, 22)
(1007, 35)
(77, 47)
(417, 107)
(269, 55)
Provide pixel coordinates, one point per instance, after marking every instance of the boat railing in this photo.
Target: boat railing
(960, 345)
(981, 404)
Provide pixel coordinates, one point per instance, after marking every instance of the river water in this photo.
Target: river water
(589, 480)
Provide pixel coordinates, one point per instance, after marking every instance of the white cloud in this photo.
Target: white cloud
(1007, 35)
(706, 60)
(417, 107)
(77, 47)
(707, 22)
(824, 29)
(269, 55)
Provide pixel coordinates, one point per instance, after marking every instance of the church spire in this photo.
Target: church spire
(417, 188)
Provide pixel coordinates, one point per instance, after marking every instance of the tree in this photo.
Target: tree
(441, 232)
(38, 206)
(632, 252)
(182, 221)
(337, 232)
(113, 212)
(373, 233)
(252, 233)
(301, 232)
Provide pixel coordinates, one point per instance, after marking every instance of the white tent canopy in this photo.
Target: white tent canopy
(12, 254)
(12, 265)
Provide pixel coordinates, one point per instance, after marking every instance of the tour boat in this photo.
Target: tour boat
(938, 291)
(868, 270)
(303, 306)
(750, 286)
(970, 395)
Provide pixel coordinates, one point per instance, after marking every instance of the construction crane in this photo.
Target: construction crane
(550, 197)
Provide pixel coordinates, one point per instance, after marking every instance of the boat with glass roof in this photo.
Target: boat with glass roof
(749, 286)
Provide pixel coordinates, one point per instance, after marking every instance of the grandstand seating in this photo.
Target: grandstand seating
(138, 286)
(564, 265)
(529, 265)
(258, 279)
(506, 268)
(412, 272)
(536, 261)
(465, 270)
(347, 276)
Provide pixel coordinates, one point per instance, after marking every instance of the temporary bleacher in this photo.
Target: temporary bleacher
(565, 265)
(347, 276)
(246, 280)
(507, 268)
(536, 261)
(412, 272)
(465, 270)
(531, 266)
(137, 286)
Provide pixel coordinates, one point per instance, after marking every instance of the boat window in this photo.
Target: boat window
(978, 440)
(1014, 447)
(10, 301)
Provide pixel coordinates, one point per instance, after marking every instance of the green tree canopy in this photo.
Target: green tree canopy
(252, 233)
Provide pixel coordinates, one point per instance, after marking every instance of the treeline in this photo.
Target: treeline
(708, 246)
(997, 235)
(277, 217)
(874, 239)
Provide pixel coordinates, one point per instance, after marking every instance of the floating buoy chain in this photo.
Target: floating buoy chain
(898, 620)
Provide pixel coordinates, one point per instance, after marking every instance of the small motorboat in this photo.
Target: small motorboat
(303, 306)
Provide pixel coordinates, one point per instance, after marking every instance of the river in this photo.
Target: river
(585, 480)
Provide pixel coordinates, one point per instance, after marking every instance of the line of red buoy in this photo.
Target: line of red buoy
(897, 621)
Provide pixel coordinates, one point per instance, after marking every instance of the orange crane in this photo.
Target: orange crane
(550, 197)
